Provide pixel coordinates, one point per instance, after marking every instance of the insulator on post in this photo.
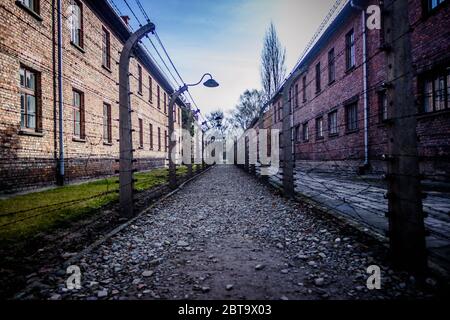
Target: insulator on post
(135, 170)
(116, 171)
(134, 160)
(117, 160)
(386, 157)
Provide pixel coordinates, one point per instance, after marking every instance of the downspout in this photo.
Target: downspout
(365, 84)
(61, 98)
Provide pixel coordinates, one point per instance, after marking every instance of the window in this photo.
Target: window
(158, 97)
(297, 136)
(319, 128)
(304, 89)
(76, 23)
(332, 123)
(107, 134)
(141, 134)
(350, 50)
(165, 102)
(433, 4)
(151, 136)
(318, 77)
(296, 95)
(78, 114)
(383, 105)
(150, 89)
(331, 66)
(139, 79)
(280, 111)
(351, 115)
(29, 117)
(436, 91)
(305, 131)
(166, 145)
(159, 139)
(106, 49)
(32, 5)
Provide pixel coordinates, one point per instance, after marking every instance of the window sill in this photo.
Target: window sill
(333, 135)
(432, 114)
(28, 10)
(106, 68)
(109, 144)
(351, 131)
(330, 83)
(30, 133)
(140, 148)
(350, 70)
(320, 138)
(76, 139)
(78, 47)
(140, 93)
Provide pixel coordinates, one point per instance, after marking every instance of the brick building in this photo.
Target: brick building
(93, 35)
(338, 125)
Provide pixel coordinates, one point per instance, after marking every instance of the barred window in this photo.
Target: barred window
(436, 91)
(141, 133)
(332, 123)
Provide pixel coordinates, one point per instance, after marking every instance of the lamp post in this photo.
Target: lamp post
(210, 83)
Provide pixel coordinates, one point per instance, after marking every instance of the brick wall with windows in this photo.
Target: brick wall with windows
(29, 110)
(330, 112)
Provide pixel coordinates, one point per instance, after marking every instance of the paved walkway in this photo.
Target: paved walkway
(227, 236)
(363, 200)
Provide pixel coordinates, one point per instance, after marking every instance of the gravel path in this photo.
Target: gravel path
(228, 236)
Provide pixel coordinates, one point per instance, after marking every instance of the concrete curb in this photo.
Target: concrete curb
(128, 223)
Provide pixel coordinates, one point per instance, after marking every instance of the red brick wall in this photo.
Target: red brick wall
(28, 161)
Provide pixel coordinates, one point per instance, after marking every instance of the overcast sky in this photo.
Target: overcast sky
(224, 37)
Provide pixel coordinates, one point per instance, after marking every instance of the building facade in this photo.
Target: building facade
(339, 109)
(93, 36)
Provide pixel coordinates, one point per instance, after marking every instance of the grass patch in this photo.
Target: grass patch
(24, 216)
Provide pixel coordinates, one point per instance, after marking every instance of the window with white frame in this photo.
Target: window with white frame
(76, 23)
(28, 99)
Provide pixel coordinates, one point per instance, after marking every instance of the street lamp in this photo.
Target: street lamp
(210, 83)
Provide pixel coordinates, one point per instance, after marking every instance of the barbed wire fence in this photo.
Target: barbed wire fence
(330, 172)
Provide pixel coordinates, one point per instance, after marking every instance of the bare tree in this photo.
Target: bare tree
(273, 62)
(249, 107)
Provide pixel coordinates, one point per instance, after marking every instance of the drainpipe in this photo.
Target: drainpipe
(365, 81)
(60, 179)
